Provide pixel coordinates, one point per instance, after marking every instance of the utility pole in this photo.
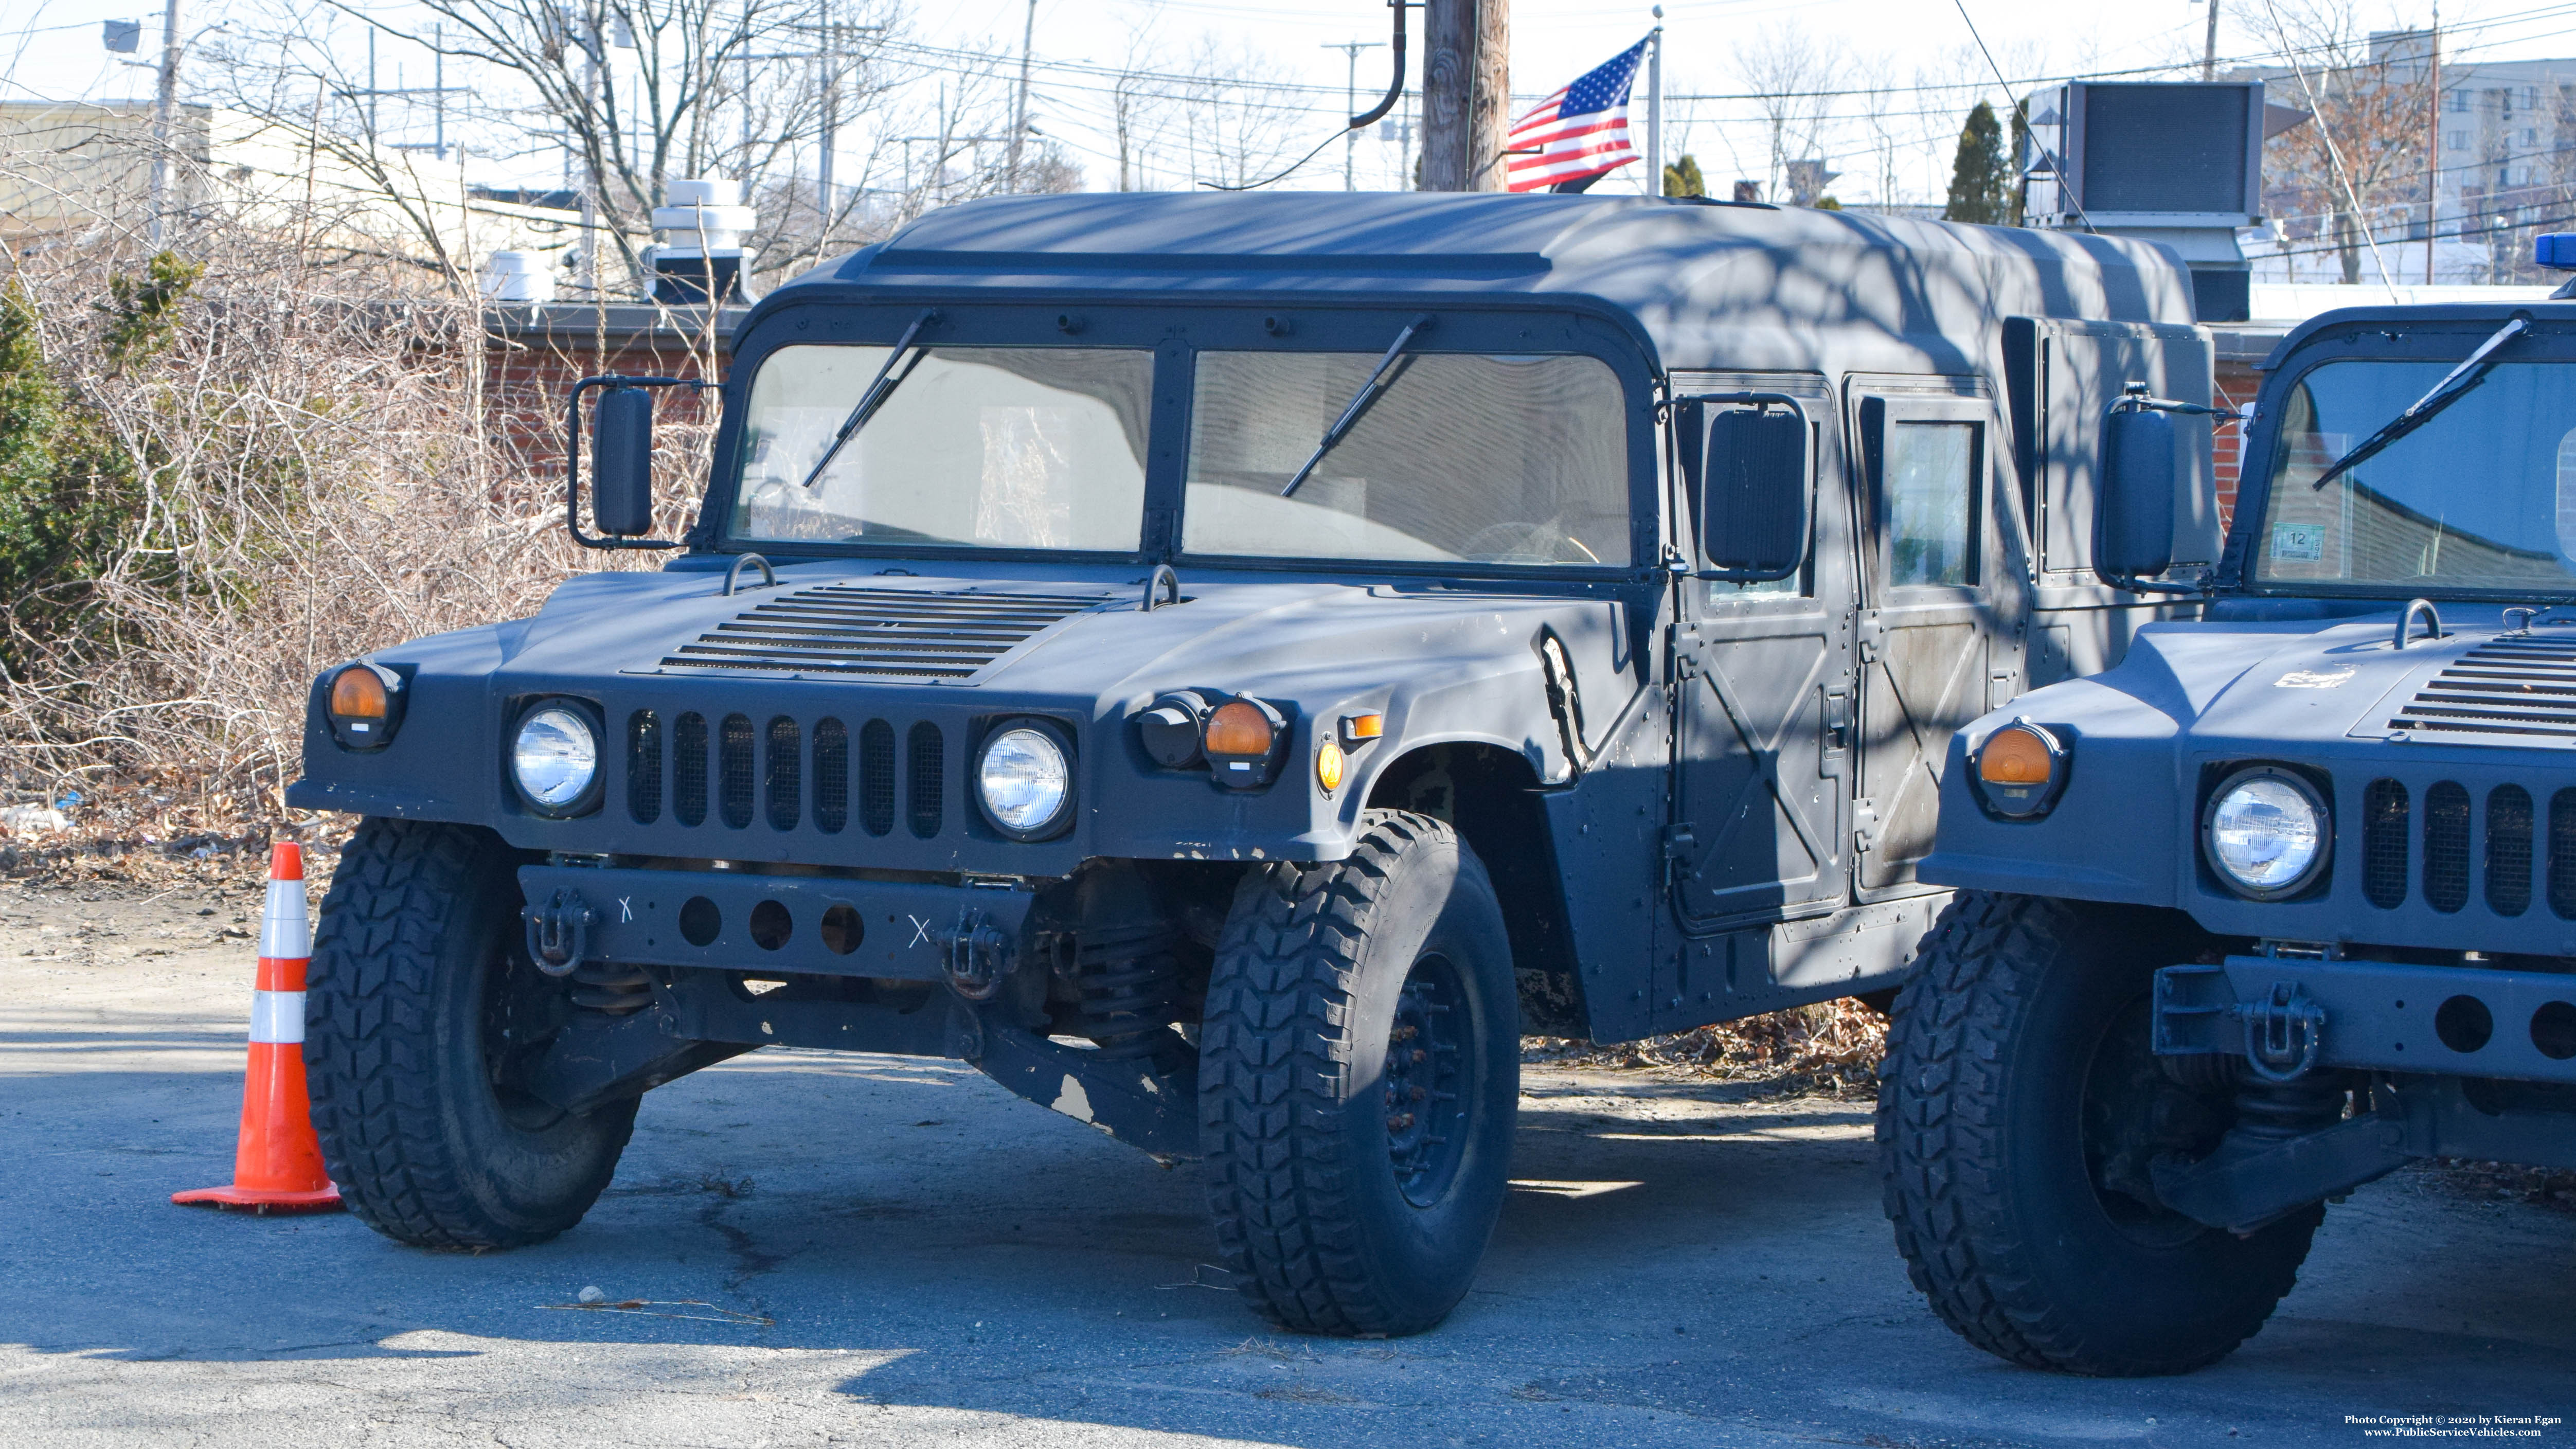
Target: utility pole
(1351, 97)
(165, 105)
(2432, 140)
(1020, 108)
(2209, 52)
(1466, 93)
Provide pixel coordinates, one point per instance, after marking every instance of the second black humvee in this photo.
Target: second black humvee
(2287, 899)
(1228, 668)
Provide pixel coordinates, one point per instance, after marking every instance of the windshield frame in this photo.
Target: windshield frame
(1175, 334)
(2446, 336)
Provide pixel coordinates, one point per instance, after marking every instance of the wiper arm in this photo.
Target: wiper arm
(1359, 404)
(879, 389)
(2446, 392)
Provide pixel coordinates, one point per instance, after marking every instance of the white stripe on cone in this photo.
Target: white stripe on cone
(284, 933)
(277, 1016)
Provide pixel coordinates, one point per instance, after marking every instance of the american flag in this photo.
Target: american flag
(1579, 133)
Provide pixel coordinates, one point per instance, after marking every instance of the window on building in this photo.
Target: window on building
(2456, 102)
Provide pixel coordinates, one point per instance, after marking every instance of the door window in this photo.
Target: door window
(1930, 497)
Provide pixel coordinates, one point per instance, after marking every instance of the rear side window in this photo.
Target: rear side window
(1930, 495)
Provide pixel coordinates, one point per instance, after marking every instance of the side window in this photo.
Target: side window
(1929, 494)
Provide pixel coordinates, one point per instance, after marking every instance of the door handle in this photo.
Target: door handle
(1837, 720)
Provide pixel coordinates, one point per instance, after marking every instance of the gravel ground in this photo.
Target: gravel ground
(869, 1250)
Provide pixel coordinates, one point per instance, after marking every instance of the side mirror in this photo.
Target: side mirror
(1753, 495)
(2136, 509)
(621, 462)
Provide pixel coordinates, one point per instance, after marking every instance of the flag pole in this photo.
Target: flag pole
(1655, 107)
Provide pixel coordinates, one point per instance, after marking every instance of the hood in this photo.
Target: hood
(1060, 638)
(2274, 686)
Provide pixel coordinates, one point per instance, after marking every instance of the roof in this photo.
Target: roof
(2487, 314)
(1704, 285)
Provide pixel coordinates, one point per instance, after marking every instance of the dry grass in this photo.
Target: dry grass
(1829, 1049)
(315, 472)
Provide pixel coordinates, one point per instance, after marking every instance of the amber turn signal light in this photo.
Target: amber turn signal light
(1243, 739)
(364, 706)
(1328, 765)
(358, 694)
(1359, 729)
(2020, 771)
(1239, 728)
(2014, 756)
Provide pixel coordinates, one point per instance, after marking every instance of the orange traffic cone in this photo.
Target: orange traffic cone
(278, 1166)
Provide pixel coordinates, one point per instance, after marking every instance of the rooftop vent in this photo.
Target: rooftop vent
(914, 634)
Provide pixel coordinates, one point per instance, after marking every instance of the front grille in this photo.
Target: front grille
(916, 634)
(761, 772)
(2508, 850)
(831, 775)
(922, 801)
(784, 761)
(2507, 690)
(876, 777)
(2562, 855)
(2451, 828)
(2446, 846)
(736, 760)
(644, 767)
(2384, 819)
(689, 769)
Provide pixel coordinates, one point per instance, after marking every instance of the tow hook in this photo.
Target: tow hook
(559, 932)
(975, 954)
(2283, 1032)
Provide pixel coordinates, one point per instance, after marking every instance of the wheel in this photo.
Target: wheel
(421, 1009)
(1359, 1078)
(2019, 1108)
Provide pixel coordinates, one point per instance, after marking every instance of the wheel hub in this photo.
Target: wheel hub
(1426, 1109)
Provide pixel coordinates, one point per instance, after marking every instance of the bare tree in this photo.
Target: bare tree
(2347, 173)
(1787, 69)
(631, 93)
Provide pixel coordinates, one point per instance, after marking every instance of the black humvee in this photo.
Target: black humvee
(1228, 667)
(2286, 899)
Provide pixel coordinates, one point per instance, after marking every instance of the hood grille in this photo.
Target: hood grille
(2505, 689)
(880, 633)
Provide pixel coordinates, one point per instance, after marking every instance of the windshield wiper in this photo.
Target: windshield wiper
(879, 389)
(2446, 392)
(1359, 404)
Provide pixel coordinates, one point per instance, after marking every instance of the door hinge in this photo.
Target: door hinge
(1678, 840)
(1865, 825)
(1873, 637)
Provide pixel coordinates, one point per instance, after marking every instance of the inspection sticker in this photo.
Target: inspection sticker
(2298, 542)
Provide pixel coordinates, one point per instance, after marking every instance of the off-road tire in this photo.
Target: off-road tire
(1981, 1151)
(425, 1149)
(1311, 975)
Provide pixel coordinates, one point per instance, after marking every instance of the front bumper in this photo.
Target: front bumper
(2287, 1016)
(791, 924)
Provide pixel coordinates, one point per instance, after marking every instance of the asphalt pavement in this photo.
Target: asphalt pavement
(863, 1250)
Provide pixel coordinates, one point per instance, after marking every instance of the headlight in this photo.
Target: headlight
(555, 759)
(2266, 832)
(2019, 770)
(364, 705)
(1025, 782)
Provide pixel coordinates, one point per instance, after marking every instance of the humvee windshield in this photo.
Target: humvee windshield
(1467, 458)
(2481, 499)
